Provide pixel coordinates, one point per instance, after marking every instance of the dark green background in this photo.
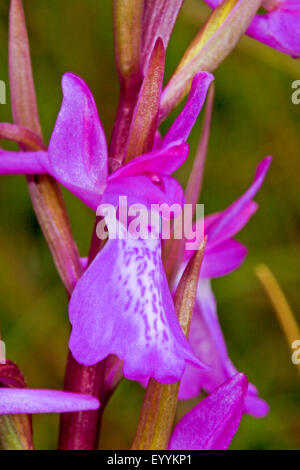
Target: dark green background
(253, 117)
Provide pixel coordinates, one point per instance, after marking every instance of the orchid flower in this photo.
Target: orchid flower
(107, 305)
(278, 28)
(129, 295)
(212, 423)
(222, 256)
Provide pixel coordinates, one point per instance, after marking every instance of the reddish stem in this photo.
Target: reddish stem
(80, 430)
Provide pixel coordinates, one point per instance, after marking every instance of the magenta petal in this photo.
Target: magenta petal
(280, 28)
(213, 3)
(158, 21)
(77, 149)
(122, 305)
(220, 227)
(254, 405)
(235, 226)
(162, 161)
(212, 423)
(23, 163)
(229, 219)
(222, 259)
(173, 190)
(24, 400)
(207, 342)
(183, 125)
(144, 190)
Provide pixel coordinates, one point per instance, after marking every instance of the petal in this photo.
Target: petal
(222, 226)
(183, 125)
(23, 400)
(235, 226)
(280, 28)
(207, 342)
(122, 305)
(212, 423)
(77, 149)
(213, 3)
(236, 214)
(144, 190)
(23, 163)
(223, 258)
(163, 161)
(254, 405)
(158, 21)
(232, 229)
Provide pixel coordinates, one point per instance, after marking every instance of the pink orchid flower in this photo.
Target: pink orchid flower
(122, 304)
(29, 401)
(212, 423)
(222, 256)
(278, 28)
(128, 294)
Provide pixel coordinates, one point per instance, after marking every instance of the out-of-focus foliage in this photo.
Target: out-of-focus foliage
(253, 116)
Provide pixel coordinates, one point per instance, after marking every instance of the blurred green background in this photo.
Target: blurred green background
(253, 117)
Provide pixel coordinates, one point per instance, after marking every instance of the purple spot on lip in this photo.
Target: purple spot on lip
(165, 336)
(136, 308)
(128, 303)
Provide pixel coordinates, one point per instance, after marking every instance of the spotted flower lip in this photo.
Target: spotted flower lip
(212, 423)
(278, 28)
(30, 401)
(129, 312)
